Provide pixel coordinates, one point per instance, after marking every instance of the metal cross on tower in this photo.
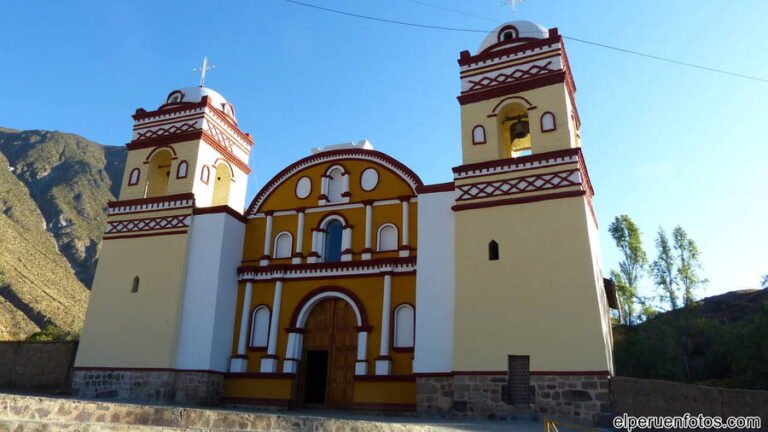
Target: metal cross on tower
(512, 3)
(203, 69)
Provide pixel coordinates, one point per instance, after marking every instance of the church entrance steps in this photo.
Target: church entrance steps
(20, 413)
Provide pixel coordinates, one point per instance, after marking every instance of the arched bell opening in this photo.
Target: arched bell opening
(221, 183)
(158, 174)
(514, 131)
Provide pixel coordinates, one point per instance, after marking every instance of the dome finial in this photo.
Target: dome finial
(203, 69)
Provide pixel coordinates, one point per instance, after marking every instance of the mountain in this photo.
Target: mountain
(54, 188)
(720, 341)
(71, 179)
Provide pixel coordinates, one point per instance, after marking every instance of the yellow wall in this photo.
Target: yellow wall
(540, 298)
(125, 329)
(393, 392)
(258, 388)
(222, 179)
(553, 98)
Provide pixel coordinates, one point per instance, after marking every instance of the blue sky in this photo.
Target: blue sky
(665, 144)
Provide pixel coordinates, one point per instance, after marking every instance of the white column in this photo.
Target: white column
(292, 353)
(345, 185)
(404, 248)
(324, 189)
(361, 364)
(384, 362)
(315, 246)
(346, 243)
(368, 227)
(299, 238)
(267, 240)
(240, 363)
(269, 362)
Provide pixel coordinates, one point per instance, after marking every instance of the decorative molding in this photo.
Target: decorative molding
(147, 224)
(515, 75)
(220, 209)
(434, 188)
(531, 183)
(538, 160)
(337, 269)
(168, 202)
(521, 200)
(382, 159)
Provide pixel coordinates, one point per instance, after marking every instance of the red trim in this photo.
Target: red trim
(522, 200)
(257, 375)
(166, 140)
(295, 330)
(379, 406)
(257, 349)
(144, 235)
(494, 111)
(257, 401)
(329, 288)
(570, 373)
(473, 135)
(148, 211)
(152, 200)
(364, 328)
(403, 349)
(512, 88)
(239, 356)
(383, 357)
(371, 155)
(384, 378)
(135, 369)
(250, 327)
(505, 373)
(517, 61)
(437, 187)
(130, 176)
(490, 55)
(220, 209)
(465, 189)
(205, 174)
(554, 122)
(518, 160)
(158, 148)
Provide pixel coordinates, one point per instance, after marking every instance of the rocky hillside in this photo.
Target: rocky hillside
(53, 193)
(71, 179)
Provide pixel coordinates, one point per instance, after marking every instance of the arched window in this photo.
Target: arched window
(493, 251)
(332, 244)
(404, 326)
(548, 122)
(221, 182)
(181, 171)
(158, 173)
(175, 97)
(335, 185)
(133, 178)
(478, 135)
(205, 174)
(135, 285)
(387, 238)
(283, 244)
(260, 327)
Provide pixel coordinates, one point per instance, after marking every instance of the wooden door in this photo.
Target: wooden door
(330, 341)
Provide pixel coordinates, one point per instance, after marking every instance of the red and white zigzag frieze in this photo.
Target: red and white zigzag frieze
(148, 224)
(163, 131)
(517, 185)
(516, 75)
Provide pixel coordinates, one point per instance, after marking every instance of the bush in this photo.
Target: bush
(54, 333)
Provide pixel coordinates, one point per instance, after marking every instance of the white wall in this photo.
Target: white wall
(210, 294)
(435, 285)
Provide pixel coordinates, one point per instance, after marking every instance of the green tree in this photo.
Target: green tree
(764, 282)
(663, 270)
(688, 264)
(626, 234)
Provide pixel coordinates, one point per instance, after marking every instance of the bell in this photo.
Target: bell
(519, 129)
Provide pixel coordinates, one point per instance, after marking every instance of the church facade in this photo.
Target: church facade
(347, 283)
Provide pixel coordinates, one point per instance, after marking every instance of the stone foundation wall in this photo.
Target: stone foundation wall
(38, 367)
(574, 398)
(161, 386)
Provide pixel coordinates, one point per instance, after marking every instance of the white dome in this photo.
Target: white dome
(525, 30)
(195, 94)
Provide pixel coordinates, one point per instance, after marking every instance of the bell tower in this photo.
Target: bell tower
(159, 321)
(528, 280)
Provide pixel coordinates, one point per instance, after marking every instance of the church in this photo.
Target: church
(347, 282)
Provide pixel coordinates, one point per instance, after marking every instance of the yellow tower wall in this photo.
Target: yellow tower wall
(541, 298)
(116, 315)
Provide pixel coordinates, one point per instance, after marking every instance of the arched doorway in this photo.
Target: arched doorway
(329, 352)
